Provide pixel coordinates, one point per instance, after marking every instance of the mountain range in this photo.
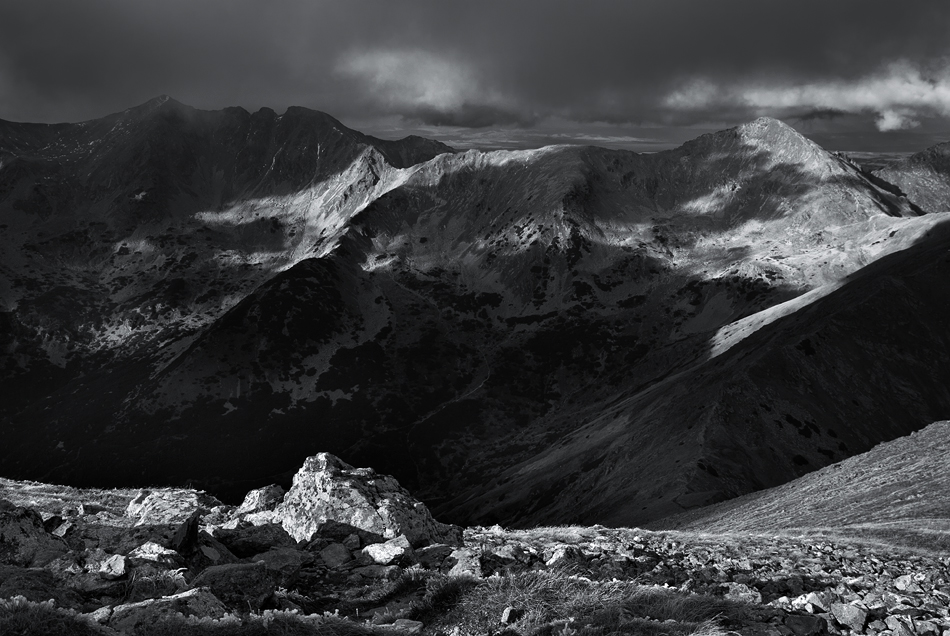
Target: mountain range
(563, 335)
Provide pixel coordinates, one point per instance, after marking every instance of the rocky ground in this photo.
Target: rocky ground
(348, 546)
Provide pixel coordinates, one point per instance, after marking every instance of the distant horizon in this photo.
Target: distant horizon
(853, 75)
(597, 134)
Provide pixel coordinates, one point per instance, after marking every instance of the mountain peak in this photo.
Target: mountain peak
(162, 103)
(769, 129)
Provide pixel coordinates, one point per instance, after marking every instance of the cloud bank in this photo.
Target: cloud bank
(896, 95)
(490, 64)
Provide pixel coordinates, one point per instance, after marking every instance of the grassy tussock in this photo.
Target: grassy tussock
(20, 617)
(269, 623)
(551, 603)
(554, 602)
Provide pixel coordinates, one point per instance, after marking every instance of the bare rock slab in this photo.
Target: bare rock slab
(169, 506)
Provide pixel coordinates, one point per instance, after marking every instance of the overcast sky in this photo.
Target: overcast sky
(643, 74)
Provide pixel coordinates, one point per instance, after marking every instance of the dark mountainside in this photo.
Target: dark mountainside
(923, 177)
(897, 493)
(570, 334)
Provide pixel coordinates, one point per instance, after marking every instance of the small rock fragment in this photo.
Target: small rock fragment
(393, 551)
(850, 615)
(114, 568)
(510, 615)
(805, 625)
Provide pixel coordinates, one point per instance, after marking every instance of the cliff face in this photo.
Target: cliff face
(563, 334)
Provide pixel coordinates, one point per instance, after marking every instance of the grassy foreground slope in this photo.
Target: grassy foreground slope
(896, 493)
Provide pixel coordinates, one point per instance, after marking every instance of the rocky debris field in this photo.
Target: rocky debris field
(128, 561)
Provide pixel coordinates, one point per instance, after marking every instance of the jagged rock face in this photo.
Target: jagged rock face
(328, 489)
(524, 337)
(924, 178)
(261, 500)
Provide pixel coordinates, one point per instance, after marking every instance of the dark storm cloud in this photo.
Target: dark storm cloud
(486, 63)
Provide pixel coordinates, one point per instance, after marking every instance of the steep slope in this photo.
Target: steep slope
(782, 392)
(923, 177)
(134, 230)
(516, 336)
(901, 487)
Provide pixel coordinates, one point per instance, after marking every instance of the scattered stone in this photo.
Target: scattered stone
(906, 583)
(114, 568)
(393, 551)
(327, 488)
(432, 557)
(352, 542)
(742, 593)
(511, 615)
(463, 561)
(136, 617)
(90, 509)
(101, 615)
(51, 522)
(564, 555)
(186, 536)
(335, 555)
(850, 616)
(900, 625)
(806, 625)
(927, 628)
(209, 552)
(811, 603)
(511, 552)
(155, 553)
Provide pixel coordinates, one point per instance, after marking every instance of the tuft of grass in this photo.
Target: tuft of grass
(268, 623)
(557, 602)
(442, 594)
(408, 582)
(20, 617)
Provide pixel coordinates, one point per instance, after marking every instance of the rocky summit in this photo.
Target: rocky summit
(562, 335)
(93, 562)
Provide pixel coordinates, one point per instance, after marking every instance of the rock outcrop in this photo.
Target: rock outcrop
(24, 541)
(328, 489)
(781, 586)
(169, 505)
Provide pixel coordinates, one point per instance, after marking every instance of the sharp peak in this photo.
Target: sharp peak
(765, 125)
(766, 131)
(162, 101)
